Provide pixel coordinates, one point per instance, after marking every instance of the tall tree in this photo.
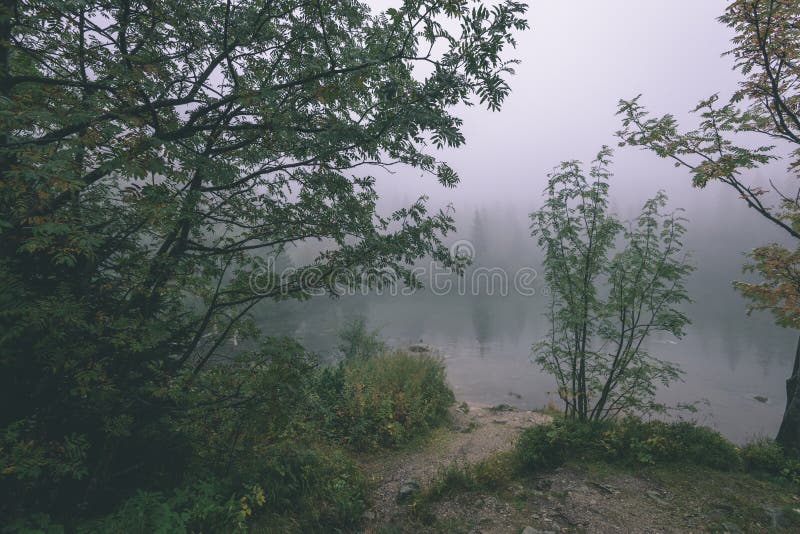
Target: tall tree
(767, 54)
(154, 153)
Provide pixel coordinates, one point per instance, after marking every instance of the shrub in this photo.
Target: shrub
(385, 400)
(155, 512)
(626, 441)
(542, 446)
(496, 470)
(655, 442)
(321, 487)
(766, 456)
(550, 445)
(245, 421)
(229, 412)
(244, 428)
(763, 455)
(297, 489)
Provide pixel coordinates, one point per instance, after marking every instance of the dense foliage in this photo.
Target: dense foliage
(155, 158)
(765, 109)
(263, 442)
(604, 304)
(299, 489)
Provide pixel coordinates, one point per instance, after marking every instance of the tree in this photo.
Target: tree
(603, 306)
(766, 52)
(154, 154)
(481, 242)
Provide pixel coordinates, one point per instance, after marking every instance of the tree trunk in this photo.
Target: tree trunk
(789, 433)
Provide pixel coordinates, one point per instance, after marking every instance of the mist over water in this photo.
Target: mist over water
(578, 61)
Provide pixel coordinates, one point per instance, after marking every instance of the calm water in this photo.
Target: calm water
(728, 357)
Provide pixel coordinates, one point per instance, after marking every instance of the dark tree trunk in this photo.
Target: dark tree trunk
(789, 433)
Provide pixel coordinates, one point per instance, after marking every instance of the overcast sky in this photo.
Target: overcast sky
(578, 59)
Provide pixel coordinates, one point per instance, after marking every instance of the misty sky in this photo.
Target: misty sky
(578, 59)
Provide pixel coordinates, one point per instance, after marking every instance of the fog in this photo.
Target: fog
(578, 60)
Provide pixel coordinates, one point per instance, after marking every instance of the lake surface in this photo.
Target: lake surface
(728, 357)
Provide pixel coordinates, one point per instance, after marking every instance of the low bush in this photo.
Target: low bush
(385, 400)
(206, 505)
(543, 446)
(763, 455)
(230, 412)
(496, 470)
(321, 486)
(626, 441)
(253, 458)
(297, 489)
(657, 442)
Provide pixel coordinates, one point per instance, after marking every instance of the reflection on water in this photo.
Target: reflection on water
(728, 357)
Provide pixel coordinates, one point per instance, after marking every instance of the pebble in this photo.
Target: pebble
(777, 517)
(656, 497)
(407, 491)
(368, 515)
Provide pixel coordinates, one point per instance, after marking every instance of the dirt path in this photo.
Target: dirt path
(471, 437)
(581, 498)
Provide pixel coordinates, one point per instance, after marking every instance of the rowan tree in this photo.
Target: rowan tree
(156, 153)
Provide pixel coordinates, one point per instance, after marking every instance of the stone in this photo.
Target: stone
(407, 491)
(731, 528)
(543, 484)
(777, 517)
(658, 499)
(721, 511)
(369, 515)
(605, 488)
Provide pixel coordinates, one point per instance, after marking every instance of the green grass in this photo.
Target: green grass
(728, 497)
(551, 410)
(630, 441)
(492, 473)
